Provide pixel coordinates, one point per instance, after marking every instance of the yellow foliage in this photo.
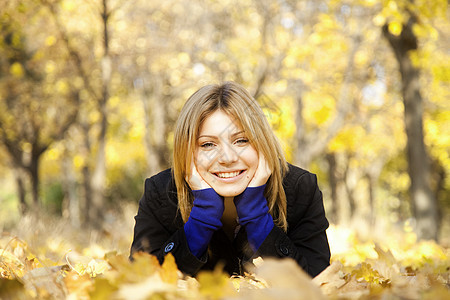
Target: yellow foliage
(361, 58)
(50, 40)
(314, 52)
(62, 87)
(78, 161)
(318, 107)
(395, 28)
(69, 5)
(17, 70)
(169, 271)
(368, 269)
(215, 285)
(27, 147)
(50, 66)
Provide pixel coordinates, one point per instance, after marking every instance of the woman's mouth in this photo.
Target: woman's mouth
(228, 174)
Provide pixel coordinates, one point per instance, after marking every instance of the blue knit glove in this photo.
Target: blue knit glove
(253, 213)
(204, 220)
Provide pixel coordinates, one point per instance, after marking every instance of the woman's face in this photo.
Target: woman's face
(224, 156)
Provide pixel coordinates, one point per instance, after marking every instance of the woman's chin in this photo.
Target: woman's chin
(229, 192)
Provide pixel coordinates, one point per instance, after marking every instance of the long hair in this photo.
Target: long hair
(236, 101)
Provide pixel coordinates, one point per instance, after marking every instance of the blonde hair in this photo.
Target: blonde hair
(236, 101)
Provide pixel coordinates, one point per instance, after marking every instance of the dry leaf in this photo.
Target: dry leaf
(169, 271)
(285, 280)
(330, 279)
(145, 289)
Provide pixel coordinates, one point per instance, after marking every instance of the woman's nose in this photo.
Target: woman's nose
(227, 155)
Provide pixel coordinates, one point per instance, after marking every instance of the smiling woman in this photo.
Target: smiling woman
(231, 196)
(224, 156)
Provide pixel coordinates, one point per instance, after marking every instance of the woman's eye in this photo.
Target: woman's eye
(207, 145)
(242, 141)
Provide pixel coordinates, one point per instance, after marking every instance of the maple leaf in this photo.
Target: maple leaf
(332, 278)
(285, 280)
(143, 266)
(102, 289)
(83, 264)
(78, 286)
(46, 281)
(169, 271)
(215, 284)
(146, 288)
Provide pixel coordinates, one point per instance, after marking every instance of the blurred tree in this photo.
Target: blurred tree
(158, 42)
(320, 70)
(38, 102)
(97, 86)
(403, 40)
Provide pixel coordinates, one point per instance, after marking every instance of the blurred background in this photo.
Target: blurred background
(356, 90)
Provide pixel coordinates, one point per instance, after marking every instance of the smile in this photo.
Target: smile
(228, 174)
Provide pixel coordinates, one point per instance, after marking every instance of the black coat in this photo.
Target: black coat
(159, 229)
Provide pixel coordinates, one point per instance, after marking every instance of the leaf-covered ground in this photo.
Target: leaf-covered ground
(47, 260)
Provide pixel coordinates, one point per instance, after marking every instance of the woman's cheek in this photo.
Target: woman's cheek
(205, 158)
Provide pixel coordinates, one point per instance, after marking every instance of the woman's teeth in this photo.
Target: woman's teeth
(227, 174)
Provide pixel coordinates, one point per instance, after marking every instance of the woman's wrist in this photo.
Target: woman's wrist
(253, 214)
(204, 220)
(251, 203)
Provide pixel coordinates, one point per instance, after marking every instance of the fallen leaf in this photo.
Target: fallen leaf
(330, 279)
(285, 280)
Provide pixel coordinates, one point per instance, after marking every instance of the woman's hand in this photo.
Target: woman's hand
(251, 206)
(262, 173)
(194, 179)
(205, 215)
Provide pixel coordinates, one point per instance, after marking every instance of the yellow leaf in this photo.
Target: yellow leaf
(395, 28)
(385, 256)
(77, 262)
(331, 278)
(379, 20)
(102, 289)
(16, 70)
(50, 40)
(169, 271)
(77, 285)
(96, 267)
(143, 266)
(215, 284)
(284, 279)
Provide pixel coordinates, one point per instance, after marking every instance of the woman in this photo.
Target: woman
(230, 196)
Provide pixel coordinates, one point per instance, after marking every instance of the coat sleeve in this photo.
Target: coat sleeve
(156, 233)
(306, 240)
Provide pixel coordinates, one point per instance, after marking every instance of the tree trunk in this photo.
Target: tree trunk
(159, 116)
(152, 119)
(333, 179)
(349, 187)
(21, 191)
(87, 195)
(424, 205)
(33, 171)
(70, 192)
(99, 175)
(155, 109)
(371, 192)
(302, 156)
(372, 174)
(150, 156)
(86, 203)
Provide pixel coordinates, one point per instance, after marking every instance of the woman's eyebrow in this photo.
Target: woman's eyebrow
(215, 137)
(237, 133)
(207, 136)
